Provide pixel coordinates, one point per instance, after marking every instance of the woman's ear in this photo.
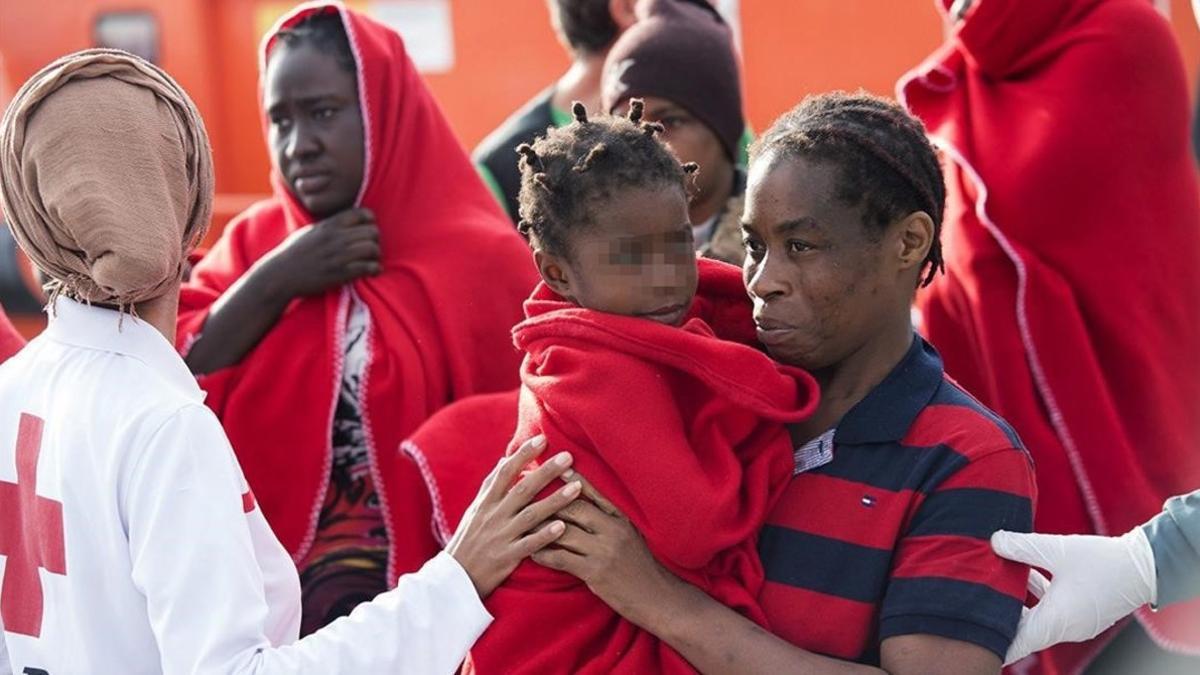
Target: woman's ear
(554, 271)
(914, 238)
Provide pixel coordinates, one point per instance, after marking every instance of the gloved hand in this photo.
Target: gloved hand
(959, 8)
(1097, 581)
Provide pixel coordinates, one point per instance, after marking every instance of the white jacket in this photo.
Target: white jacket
(130, 543)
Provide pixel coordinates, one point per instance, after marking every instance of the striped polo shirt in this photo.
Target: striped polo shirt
(890, 537)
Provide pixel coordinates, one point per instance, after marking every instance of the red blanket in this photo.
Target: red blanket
(446, 460)
(682, 430)
(455, 273)
(10, 340)
(1072, 243)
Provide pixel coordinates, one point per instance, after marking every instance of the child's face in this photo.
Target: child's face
(637, 258)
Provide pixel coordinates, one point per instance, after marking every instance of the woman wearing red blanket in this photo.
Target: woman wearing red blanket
(376, 285)
(1072, 283)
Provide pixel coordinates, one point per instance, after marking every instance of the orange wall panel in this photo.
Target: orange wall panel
(34, 32)
(792, 49)
(505, 52)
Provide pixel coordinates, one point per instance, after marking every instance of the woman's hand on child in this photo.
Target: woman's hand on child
(330, 253)
(605, 551)
(502, 527)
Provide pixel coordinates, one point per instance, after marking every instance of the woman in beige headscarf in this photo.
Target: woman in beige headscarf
(131, 542)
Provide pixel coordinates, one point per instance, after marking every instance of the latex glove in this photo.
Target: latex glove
(1096, 582)
(959, 9)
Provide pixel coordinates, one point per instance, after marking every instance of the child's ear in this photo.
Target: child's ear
(555, 272)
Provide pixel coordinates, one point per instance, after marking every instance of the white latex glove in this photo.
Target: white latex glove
(959, 8)
(1097, 581)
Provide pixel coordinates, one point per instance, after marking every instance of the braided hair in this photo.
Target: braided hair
(572, 170)
(323, 31)
(886, 161)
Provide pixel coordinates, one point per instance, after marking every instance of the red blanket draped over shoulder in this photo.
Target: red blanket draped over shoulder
(445, 461)
(10, 340)
(683, 431)
(1072, 243)
(455, 273)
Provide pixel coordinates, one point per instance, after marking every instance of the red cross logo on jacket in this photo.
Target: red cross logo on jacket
(31, 536)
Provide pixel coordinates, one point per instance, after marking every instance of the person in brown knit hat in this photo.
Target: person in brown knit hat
(131, 540)
(74, 213)
(680, 58)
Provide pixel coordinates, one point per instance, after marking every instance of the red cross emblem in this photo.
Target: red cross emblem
(31, 536)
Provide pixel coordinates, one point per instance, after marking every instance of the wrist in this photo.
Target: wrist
(1142, 557)
(483, 587)
(270, 281)
(660, 602)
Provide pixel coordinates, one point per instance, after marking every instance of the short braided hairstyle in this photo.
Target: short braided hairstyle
(573, 169)
(886, 161)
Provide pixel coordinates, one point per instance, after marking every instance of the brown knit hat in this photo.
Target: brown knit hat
(105, 176)
(683, 52)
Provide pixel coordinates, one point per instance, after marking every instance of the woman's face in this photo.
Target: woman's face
(316, 127)
(821, 283)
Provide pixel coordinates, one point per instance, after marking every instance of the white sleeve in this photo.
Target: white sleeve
(424, 625)
(193, 558)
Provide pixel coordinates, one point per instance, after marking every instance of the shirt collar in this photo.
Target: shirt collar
(90, 327)
(886, 413)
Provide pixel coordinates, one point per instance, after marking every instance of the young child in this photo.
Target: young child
(642, 361)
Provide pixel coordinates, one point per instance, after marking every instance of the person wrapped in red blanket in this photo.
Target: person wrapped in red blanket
(1072, 247)
(317, 403)
(642, 363)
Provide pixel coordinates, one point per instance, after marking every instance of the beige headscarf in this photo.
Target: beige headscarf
(105, 176)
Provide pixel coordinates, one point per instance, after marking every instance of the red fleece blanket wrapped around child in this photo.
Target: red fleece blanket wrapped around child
(683, 429)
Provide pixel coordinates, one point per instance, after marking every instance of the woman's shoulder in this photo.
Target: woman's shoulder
(965, 424)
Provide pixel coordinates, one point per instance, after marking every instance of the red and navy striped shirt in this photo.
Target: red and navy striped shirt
(891, 536)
